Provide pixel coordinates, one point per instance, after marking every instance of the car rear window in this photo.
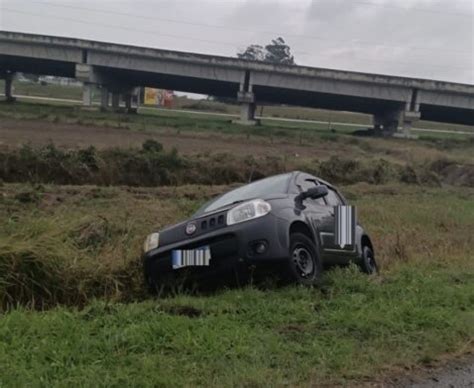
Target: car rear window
(259, 189)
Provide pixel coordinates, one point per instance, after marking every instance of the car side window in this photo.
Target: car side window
(307, 184)
(333, 198)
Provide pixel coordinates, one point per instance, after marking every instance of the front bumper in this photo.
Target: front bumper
(230, 245)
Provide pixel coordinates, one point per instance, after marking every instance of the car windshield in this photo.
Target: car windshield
(259, 189)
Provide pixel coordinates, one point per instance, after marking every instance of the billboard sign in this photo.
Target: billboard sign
(158, 97)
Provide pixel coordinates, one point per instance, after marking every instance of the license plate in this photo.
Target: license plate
(199, 257)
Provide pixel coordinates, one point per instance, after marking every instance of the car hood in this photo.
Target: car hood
(231, 205)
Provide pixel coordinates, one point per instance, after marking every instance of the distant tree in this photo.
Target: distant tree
(254, 52)
(275, 52)
(279, 52)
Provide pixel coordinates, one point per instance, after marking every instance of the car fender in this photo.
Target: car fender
(289, 216)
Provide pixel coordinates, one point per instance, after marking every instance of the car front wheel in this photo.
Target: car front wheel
(304, 262)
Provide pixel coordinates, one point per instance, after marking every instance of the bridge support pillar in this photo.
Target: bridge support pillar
(396, 123)
(128, 101)
(386, 123)
(87, 94)
(111, 97)
(92, 76)
(247, 109)
(115, 101)
(9, 87)
(406, 122)
(128, 97)
(104, 98)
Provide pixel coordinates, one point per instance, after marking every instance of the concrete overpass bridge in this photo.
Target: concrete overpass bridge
(117, 69)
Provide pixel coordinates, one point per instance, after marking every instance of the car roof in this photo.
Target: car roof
(297, 173)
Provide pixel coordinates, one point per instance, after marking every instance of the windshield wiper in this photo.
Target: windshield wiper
(205, 211)
(230, 204)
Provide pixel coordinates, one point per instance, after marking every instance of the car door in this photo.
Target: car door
(336, 253)
(318, 214)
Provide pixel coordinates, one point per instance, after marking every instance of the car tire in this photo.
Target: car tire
(155, 282)
(367, 262)
(304, 263)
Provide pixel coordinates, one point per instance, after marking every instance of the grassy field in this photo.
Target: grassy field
(287, 112)
(165, 122)
(70, 245)
(357, 329)
(77, 201)
(46, 90)
(150, 118)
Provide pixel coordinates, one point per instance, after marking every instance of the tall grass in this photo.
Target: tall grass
(69, 244)
(152, 166)
(55, 259)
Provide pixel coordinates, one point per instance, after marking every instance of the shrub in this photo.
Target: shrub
(340, 170)
(48, 261)
(34, 271)
(152, 146)
(89, 158)
(150, 165)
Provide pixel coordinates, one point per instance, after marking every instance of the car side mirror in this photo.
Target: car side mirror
(314, 193)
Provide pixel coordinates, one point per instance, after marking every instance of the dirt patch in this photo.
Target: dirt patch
(15, 133)
(291, 329)
(458, 174)
(455, 373)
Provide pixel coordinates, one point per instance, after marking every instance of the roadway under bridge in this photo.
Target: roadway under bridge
(395, 102)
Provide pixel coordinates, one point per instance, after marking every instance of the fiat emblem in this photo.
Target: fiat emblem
(190, 228)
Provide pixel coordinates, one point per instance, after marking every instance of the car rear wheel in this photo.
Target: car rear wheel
(303, 262)
(367, 262)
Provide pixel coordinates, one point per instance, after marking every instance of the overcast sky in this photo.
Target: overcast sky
(419, 38)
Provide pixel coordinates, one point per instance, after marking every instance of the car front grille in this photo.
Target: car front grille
(212, 222)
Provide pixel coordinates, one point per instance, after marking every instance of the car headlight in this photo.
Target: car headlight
(248, 211)
(151, 242)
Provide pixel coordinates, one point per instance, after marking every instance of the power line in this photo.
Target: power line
(118, 27)
(226, 44)
(191, 23)
(362, 2)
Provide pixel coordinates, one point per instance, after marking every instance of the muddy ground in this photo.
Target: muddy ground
(455, 373)
(455, 165)
(14, 133)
